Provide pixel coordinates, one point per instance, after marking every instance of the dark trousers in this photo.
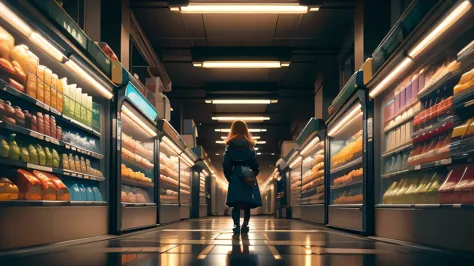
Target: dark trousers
(236, 215)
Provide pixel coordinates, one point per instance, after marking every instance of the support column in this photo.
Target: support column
(372, 21)
(329, 86)
(115, 20)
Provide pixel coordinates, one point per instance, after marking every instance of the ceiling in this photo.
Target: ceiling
(310, 38)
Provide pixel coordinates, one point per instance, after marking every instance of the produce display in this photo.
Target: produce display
(426, 152)
(169, 176)
(352, 150)
(35, 154)
(346, 172)
(137, 168)
(295, 183)
(129, 173)
(313, 176)
(135, 195)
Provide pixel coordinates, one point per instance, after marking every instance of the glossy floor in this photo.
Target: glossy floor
(210, 242)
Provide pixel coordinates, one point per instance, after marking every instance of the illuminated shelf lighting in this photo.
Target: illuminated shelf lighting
(244, 8)
(241, 64)
(243, 118)
(355, 112)
(252, 130)
(238, 101)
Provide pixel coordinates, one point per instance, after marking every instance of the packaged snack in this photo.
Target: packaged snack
(55, 158)
(33, 154)
(17, 86)
(10, 113)
(62, 192)
(77, 163)
(49, 190)
(62, 83)
(4, 148)
(6, 66)
(47, 86)
(41, 155)
(53, 127)
(31, 86)
(59, 132)
(49, 157)
(65, 161)
(8, 190)
(40, 84)
(19, 53)
(19, 117)
(54, 87)
(32, 63)
(24, 155)
(6, 44)
(28, 185)
(72, 165)
(47, 125)
(14, 149)
(34, 123)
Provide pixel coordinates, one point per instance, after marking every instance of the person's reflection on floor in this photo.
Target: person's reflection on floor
(240, 254)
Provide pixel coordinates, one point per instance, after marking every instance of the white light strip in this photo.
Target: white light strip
(454, 16)
(127, 112)
(390, 77)
(47, 46)
(259, 153)
(253, 130)
(296, 161)
(8, 16)
(220, 141)
(310, 146)
(81, 73)
(240, 64)
(353, 113)
(255, 148)
(261, 142)
(254, 137)
(244, 118)
(238, 101)
(245, 8)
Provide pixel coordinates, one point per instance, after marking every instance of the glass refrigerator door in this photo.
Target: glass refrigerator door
(428, 130)
(346, 173)
(138, 151)
(295, 182)
(51, 129)
(185, 178)
(313, 174)
(202, 187)
(169, 172)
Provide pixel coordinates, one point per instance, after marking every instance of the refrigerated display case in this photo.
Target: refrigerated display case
(293, 172)
(200, 176)
(187, 159)
(54, 109)
(348, 166)
(175, 173)
(137, 157)
(311, 141)
(423, 121)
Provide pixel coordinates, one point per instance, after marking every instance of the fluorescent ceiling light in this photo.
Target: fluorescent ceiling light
(244, 8)
(83, 74)
(310, 146)
(220, 142)
(355, 112)
(8, 16)
(238, 101)
(47, 46)
(273, 154)
(254, 137)
(240, 64)
(217, 154)
(447, 22)
(253, 130)
(261, 142)
(128, 113)
(390, 77)
(255, 148)
(244, 118)
(259, 153)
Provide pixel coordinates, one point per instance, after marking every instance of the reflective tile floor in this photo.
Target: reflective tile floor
(210, 242)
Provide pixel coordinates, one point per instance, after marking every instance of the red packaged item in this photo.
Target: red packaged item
(47, 125)
(59, 133)
(19, 117)
(49, 190)
(53, 127)
(10, 113)
(40, 122)
(34, 123)
(465, 188)
(413, 157)
(29, 186)
(61, 189)
(446, 191)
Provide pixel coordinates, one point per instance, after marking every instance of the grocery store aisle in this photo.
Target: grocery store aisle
(210, 242)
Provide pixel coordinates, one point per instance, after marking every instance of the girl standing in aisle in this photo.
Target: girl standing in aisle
(240, 168)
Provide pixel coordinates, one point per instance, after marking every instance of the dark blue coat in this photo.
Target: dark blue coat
(239, 153)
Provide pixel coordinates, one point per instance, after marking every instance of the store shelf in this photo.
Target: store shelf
(402, 121)
(426, 206)
(20, 164)
(136, 204)
(348, 165)
(54, 141)
(350, 205)
(20, 203)
(7, 88)
(397, 149)
(419, 167)
(133, 163)
(347, 185)
(428, 92)
(138, 183)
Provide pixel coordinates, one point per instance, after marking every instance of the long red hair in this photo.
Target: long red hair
(239, 129)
